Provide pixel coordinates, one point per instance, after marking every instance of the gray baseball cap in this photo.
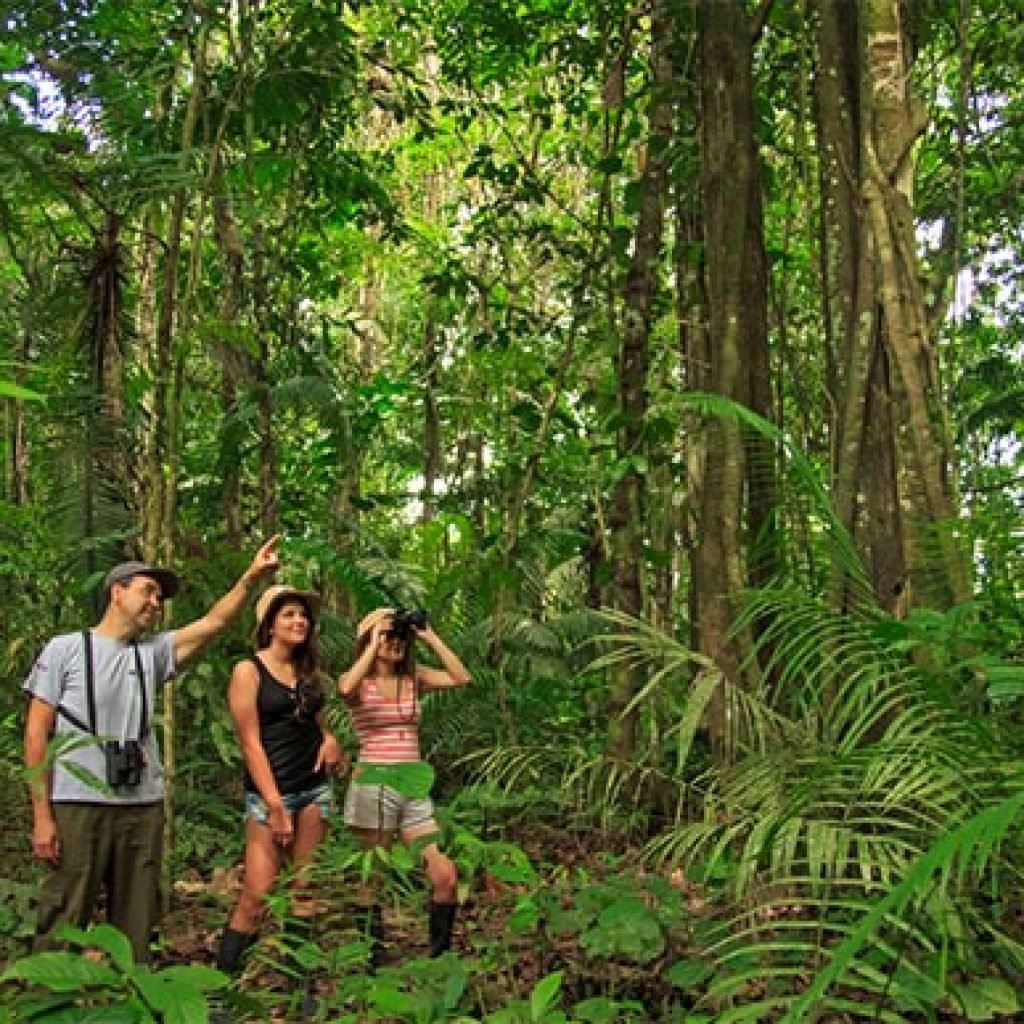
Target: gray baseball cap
(169, 582)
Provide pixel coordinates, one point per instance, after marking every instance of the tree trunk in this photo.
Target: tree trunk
(729, 174)
(865, 474)
(627, 514)
(764, 553)
(19, 464)
(235, 365)
(431, 420)
(695, 360)
(887, 557)
(892, 119)
(159, 474)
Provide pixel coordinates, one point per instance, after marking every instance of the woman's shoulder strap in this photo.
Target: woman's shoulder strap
(262, 669)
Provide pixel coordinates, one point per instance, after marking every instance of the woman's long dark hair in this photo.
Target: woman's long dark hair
(305, 657)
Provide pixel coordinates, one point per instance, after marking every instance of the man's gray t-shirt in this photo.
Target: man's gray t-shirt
(59, 679)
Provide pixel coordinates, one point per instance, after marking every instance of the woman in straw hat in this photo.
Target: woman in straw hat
(277, 701)
(382, 690)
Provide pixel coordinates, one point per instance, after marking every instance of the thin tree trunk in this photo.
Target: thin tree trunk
(234, 363)
(105, 485)
(627, 514)
(264, 398)
(19, 464)
(109, 352)
(728, 170)
(431, 420)
(159, 474)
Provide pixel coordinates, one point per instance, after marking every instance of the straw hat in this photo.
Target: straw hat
(368, 621)
(273, 597)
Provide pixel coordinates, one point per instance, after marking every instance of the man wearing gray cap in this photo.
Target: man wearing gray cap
(97, 797)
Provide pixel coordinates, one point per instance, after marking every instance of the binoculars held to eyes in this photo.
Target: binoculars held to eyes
(405, 621)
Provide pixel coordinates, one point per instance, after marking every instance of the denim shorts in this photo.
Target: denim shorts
(256, 808)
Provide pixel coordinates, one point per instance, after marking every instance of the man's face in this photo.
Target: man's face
(139, 600)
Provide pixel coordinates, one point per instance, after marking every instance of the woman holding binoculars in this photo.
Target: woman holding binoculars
(382, 690)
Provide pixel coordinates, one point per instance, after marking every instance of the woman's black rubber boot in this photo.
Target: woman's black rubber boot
(233, 947)
(441, 922)
(230, 954)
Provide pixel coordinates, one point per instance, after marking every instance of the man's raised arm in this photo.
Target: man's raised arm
(191, 639)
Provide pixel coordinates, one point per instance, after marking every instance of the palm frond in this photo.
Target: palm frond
(967, 850)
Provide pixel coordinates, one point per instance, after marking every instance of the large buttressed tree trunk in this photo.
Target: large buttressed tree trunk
(729, 179)
(627, 516)
(892, 119)
(891, 450)
(865, 479)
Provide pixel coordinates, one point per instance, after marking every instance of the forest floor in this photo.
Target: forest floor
(201, 905)
(202, 902)
(501, 966)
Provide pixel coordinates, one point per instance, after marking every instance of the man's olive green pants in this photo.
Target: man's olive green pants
(104, 846)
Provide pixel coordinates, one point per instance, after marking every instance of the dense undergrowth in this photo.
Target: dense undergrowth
(853, 855)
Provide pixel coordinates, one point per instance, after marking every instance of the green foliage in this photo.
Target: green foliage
(413, 779)
(865, 814)
(396, 326)
(71, 987)
(8, 389)
(16, 902)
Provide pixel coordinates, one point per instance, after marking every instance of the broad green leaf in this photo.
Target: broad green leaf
(985, 998)
(61, 972)
(687, 974)
(196, 976)
(106, 937)
(391, 1001)
(544, 993)
(524, 917)
(602, 1010)
(187, 1007)
(413, 780)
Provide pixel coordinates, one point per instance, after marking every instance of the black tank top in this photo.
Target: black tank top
(289, 731)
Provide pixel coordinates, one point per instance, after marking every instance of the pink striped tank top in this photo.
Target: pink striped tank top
(388, 730)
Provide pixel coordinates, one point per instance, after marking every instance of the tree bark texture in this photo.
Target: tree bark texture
(864, 472)
(105, 484)
(727, 178)
(893, 119)
(627, 513)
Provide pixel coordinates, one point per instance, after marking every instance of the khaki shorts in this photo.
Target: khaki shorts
(381, 808)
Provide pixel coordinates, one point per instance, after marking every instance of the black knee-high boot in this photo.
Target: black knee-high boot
(441, 921)
(230, 954)
(370, 925)
(233, 947)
